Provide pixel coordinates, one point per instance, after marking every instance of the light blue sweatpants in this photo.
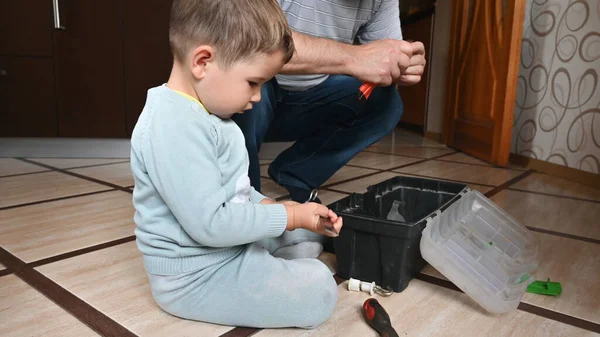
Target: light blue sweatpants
(253, 289)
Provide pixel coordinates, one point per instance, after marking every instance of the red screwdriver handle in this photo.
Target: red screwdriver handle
(365, 90)
(378, 318)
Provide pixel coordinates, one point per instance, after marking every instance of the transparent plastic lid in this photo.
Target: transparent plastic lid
(483, 250)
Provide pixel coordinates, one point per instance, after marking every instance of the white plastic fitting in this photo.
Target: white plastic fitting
(358, 285)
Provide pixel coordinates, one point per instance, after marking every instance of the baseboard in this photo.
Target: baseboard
(65, 148)
(433, 136)
(568, 173)
(412, 127)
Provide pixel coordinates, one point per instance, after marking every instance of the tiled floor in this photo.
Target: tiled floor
(69, 265)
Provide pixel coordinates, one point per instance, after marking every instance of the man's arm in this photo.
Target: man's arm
(378, 62)
(316, 55)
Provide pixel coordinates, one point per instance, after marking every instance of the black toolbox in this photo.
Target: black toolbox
(372, 248)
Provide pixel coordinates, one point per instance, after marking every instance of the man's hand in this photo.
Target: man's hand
(413, 73)
(381, 62)
(389, 61)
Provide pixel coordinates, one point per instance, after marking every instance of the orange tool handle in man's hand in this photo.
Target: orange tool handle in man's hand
(365, 90)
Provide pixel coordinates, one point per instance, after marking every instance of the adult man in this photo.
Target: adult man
(314, 100)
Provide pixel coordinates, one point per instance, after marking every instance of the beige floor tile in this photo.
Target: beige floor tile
(42, 186)
(119, 174)
(575, 265)
(360, 186)
(380, 161)
(552, 213)
(329, 197)
(44, 230)
(271, 189)
(465, 158)
(538, 182)
(2, 266)
(329, 260)
(26, 312)
(113, 281)
(264, 171)
(401, 138)
(425, 309)
(517, 167)
(10, 166)
(462, 172)
(411, 151)
(65, 163)
(348, 172)
(265, 161)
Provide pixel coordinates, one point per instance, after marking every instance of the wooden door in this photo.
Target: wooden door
(414, 97)
(484, 65)
(26, 28)
(27, 100)
(88, 56)
(27, 97)
(147, 54)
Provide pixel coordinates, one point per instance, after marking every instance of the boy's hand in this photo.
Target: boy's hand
(315, 218)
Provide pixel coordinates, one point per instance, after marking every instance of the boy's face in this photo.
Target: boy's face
(234, 90)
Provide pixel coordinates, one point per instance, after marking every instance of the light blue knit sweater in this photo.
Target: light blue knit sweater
(194, 206)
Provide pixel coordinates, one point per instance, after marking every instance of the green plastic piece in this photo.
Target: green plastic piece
(545, 288)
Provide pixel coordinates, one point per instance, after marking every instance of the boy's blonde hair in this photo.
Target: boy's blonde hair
(237, 29)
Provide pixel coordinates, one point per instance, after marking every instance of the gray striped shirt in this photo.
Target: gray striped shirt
(346, 21)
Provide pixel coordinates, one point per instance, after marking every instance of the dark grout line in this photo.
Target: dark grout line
(509, 183)
(437, 281)
(336, 191)
(560, 317)
(564, 235)
(482, 165)
(423, 160)
(472, 164)
(554, 195)
(361, 167)
(392, 154)
(241, 332)
(5, 272)
(351, 179)
(82, 251)
(77, 175)
(283, 197)
(55, 199)
(409, 156)
(24, 174)
(95, 165)
(444, 179)
(84, 312)
(530, 308)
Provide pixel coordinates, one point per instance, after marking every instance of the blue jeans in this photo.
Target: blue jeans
(328, 124)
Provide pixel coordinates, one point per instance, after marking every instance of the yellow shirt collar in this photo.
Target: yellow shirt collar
(191, 98)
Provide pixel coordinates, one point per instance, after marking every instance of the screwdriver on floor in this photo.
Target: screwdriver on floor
(378, 318)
